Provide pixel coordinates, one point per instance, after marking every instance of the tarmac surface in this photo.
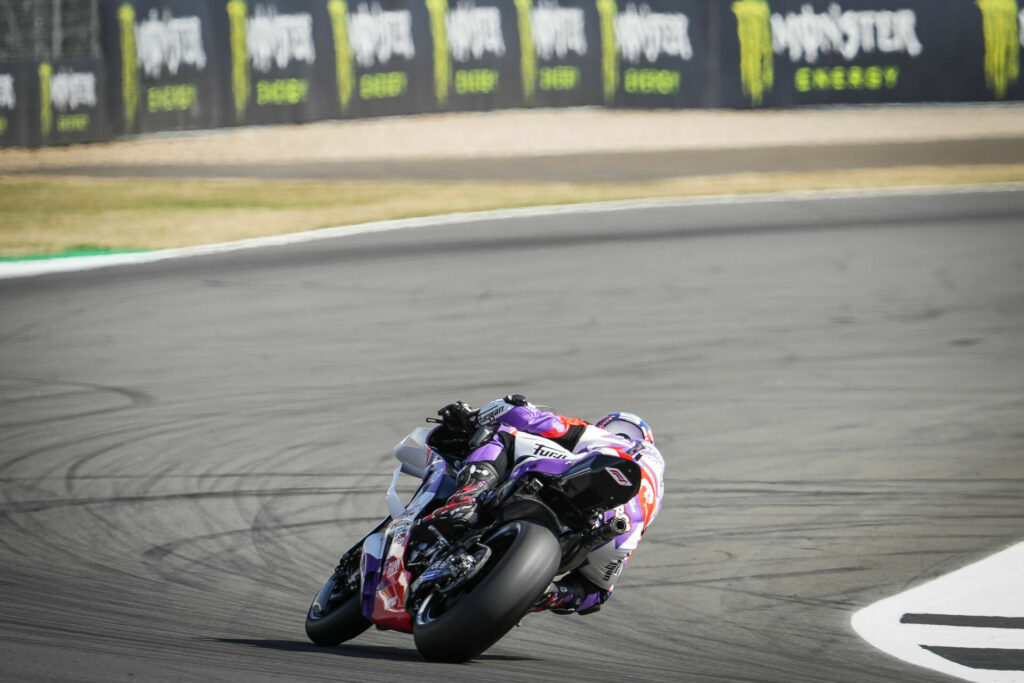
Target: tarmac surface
(837, 385)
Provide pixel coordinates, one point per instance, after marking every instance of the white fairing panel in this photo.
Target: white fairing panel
(531, 446)
(413, 452)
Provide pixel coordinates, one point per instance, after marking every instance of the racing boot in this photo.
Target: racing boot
(572, 594)
(460, 511)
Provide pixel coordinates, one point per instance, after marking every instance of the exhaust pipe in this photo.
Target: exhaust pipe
(616, 526)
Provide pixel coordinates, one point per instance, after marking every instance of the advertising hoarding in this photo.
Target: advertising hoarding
(15, 103)
(383, 57)
(477, 55)
(162, 65)
(786, 53)
(560, 43)
(656, 53)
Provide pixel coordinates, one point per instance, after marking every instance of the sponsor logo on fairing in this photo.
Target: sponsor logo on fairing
(620, 478)
(542, 451)
(489, 414)
(612, 568)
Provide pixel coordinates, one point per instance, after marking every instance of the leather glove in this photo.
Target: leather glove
(458, 417)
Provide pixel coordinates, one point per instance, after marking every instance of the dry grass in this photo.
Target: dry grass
(53, 213)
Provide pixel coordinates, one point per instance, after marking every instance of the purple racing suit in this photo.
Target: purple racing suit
(605, 563)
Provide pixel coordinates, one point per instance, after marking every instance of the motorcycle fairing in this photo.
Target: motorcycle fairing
(385, 578)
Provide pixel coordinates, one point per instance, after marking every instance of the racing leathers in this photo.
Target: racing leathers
(520, 424)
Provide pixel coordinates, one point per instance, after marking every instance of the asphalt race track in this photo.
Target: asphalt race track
(187, 446)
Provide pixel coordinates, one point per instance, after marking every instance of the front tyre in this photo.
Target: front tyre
(525, 558)
(336, 615)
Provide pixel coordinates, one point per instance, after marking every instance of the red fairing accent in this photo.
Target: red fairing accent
(560, 430)
(389, 602)
(647, 496)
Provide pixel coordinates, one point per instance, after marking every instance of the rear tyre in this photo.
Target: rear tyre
(524, 560)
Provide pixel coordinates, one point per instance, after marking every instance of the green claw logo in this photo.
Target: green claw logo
(129, 64)
(757, 68)
(528, 60)
(344, 66)
(241, 85)
(608, 10)
(1002, 44)
(45, 106)
(438, 10)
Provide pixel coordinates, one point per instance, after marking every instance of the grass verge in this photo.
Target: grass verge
(54, 214)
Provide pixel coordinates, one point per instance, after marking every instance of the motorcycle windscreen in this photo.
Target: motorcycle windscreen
(602, 482)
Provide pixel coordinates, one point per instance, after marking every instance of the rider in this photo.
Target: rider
(584, 589)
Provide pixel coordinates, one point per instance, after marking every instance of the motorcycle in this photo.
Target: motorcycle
(459, 593)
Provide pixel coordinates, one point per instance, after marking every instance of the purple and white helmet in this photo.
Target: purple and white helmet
(628, 425)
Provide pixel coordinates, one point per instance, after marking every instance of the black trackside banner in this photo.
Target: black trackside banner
(785, 53)
(15, 102)
(69, 97)
(477, 55)
(193, 64)
(560, 43)
(655, 53)
(162, 64)
(276, 60)
(383, 57)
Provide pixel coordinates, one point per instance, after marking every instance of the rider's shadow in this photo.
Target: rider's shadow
(384, 652)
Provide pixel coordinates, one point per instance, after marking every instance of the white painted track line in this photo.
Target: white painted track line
(19, 269)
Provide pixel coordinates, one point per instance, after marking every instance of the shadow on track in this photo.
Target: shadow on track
(360, 651)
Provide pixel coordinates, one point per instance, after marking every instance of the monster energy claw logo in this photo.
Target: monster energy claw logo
(45, 108)
(438, 10)
(240, 75)
(1002, 44)
(129, 64)
(753, 27)
(607, 11)
(528, 54)
(344, 66)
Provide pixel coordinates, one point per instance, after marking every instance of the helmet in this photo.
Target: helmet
(628, 425)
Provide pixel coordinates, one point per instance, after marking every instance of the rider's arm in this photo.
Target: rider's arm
(516, 412)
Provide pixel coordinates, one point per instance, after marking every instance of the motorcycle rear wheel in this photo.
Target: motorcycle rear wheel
(459, 627)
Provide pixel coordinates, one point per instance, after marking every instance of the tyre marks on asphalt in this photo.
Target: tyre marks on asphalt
(969, 623)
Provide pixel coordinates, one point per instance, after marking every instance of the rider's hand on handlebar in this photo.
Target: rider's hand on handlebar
(458, 417)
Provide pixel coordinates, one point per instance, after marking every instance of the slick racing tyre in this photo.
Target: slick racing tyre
(335, 615)
(459, 626)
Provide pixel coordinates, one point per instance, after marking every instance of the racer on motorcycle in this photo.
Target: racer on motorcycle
(625, 435)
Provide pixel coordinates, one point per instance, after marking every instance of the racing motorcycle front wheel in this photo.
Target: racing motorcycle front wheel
(458, 626)
(335, 614)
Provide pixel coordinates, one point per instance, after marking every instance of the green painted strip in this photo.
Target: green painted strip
(68, 253)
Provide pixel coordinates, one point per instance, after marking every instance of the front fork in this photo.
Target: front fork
(385, 580)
